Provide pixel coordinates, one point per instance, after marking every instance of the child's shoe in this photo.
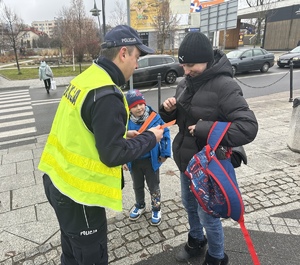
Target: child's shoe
(136, 211)
(156, 217)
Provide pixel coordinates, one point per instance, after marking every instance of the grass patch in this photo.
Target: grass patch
(33, 72)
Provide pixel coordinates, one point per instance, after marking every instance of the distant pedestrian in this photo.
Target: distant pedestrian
(298, 44)
(147, 166)
(45, 74)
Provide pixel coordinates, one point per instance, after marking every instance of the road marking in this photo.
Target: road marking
(11, 116)
(14, 104)
(16, 109)
(20, 98)
(17, 132)
(15, 123)
(46, 101)
(16, 117)
(14, 92)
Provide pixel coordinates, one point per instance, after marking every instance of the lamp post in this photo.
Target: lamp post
(96, 13)
(103, 17)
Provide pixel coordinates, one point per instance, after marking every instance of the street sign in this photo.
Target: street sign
(219, 17)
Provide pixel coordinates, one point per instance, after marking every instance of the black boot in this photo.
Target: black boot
(209, 260)
(193, 248)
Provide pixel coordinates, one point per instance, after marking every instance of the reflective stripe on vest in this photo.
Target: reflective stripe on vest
(70, 157)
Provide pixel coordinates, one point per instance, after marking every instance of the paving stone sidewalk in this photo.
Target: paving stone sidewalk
(269, 184)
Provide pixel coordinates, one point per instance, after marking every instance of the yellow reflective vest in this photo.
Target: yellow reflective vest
(70, 157)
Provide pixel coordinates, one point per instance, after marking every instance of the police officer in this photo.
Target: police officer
(87, 145)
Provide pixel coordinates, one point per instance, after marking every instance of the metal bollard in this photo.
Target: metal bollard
(291, 80)
(293, 139)
(159, 90)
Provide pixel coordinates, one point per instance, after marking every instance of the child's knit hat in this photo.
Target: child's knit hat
(134, 97)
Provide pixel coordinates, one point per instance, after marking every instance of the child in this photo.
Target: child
(147, 166)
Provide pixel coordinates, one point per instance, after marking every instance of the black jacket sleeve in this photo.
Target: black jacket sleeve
(106, 117)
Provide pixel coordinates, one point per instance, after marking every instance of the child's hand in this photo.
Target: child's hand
(131, 134)
(162, 159)
(125, 167)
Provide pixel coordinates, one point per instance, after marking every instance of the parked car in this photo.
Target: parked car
(284, 59)
(245, 60)
(150, 66)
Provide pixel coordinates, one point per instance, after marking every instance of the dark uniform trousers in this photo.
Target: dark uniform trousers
(83, 229)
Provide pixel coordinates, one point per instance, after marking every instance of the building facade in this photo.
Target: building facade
(46, 26)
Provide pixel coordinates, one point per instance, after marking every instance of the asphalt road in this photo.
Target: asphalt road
(44, 106)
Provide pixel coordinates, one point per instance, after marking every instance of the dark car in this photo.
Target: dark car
(245, 60)
(284, 60)
(150, 66)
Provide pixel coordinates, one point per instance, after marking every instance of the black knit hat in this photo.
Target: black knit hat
(195, 48)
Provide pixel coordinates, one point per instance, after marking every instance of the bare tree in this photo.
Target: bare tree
(12, 26)
(76, 30)
(165, 23)
(119, 15)
(262, 7)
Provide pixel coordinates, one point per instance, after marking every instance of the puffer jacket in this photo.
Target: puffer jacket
(204, 99)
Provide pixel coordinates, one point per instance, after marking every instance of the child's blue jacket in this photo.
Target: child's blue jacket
(162, 149)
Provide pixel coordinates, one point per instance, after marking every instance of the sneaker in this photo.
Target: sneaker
(193, 248)
(156, 217)
(209, 260)
(136, 211)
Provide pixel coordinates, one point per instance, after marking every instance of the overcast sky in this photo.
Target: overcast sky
(39, 10)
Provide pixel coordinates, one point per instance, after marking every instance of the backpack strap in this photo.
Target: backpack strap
(216, 133)
(249, 242)
(227, 185)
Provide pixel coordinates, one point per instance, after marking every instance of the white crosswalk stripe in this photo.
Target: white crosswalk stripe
(17, 123)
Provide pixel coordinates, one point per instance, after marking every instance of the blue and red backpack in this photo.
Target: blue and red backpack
(214, 184)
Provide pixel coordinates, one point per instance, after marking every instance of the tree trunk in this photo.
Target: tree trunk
(17, 61)
(73, 54)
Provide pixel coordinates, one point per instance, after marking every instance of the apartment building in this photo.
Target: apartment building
(46, 26)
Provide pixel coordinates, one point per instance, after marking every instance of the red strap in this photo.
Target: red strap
(249, 242)
(147, 122)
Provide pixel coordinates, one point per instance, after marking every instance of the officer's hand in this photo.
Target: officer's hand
(158, 131)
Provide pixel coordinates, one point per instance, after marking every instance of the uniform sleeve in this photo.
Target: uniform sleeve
(108, 121)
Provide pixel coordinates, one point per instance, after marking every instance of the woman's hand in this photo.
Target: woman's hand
(192, 129)
(170, 104)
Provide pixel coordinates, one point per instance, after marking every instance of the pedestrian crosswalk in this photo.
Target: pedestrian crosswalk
(17, 123)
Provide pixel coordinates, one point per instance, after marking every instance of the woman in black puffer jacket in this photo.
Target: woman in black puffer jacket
(207, 94)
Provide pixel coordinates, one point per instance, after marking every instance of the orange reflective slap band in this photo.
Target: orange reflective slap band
(147, 122)
(168, 124)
